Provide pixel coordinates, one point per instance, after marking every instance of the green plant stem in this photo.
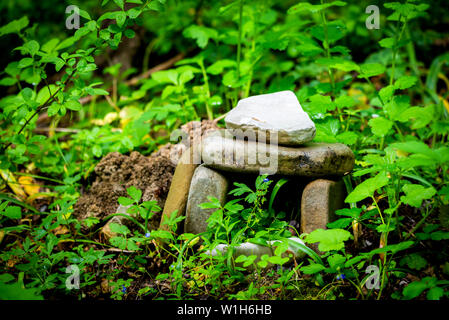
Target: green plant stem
(209, 111)
(326, 47)
(418, 225)
(239, 44)
(395, 50)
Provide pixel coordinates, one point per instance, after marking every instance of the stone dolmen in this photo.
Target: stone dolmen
(266, 134)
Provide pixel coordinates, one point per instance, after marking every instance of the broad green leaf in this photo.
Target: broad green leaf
(218, 66)
(387, 43)
(13, 212)
(368, 70)
(32, 47)
(414, 261)
(25, 62)
(339, 63)
(125, 201)
(73, 105)
(415, 147)
(14, 26)
(367, 188)
(405, 82)
(120, 17)
(386, 93)
(396, 107)
(414, 289)
(416, 193)
(120, 3)
(320, 104)
(330, 239)
(305, 6)
(119, 228)
(45, 93)
(420, 116)
(435, 293)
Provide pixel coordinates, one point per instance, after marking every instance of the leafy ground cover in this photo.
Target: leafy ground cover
(135, 71)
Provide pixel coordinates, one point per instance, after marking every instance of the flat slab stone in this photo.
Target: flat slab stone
(223, 152)
(205, 183)
(278, 112)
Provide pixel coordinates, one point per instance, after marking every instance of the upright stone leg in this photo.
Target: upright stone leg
(179, 189)
(205, 183)
(320, 199)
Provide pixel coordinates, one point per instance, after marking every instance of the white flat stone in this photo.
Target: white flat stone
(278, 112)
(248, 248)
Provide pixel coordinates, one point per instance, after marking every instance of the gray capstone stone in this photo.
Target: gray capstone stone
(278, 114)
(205, 183)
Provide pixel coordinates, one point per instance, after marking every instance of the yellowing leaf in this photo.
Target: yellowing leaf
(28, 184)
(13, 184)
(446, 105)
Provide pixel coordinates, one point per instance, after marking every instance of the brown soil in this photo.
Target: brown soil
(152, 175)
(115, 173)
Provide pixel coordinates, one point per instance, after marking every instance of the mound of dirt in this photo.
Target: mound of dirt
(152, 175)
(116, 172)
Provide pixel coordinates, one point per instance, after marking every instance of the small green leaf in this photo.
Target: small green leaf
(134, 193)
(13, 212)
(380, 126)
(73, 105)
(312, 268)
(25, 62)
(125, 201)
(120, 17)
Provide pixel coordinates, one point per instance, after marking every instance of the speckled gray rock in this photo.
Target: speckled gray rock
(278, 112)
(222, 152)
(205, 183)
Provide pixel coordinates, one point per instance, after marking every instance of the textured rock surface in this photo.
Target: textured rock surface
(278, 112)
(205, 183)
(179, 189)
(312, 160)
(320, 199)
